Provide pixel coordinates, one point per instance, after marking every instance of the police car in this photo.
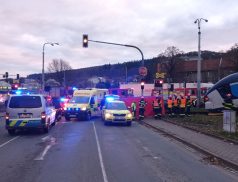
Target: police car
(25, 111)
(116, 111)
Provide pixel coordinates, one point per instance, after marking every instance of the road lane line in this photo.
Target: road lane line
(100, 155)
(8, 141)
(42, 155)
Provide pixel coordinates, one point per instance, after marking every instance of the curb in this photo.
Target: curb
(225, 161)
(209, 134)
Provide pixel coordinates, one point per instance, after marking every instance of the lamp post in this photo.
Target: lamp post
(199, 62)
(43, 73)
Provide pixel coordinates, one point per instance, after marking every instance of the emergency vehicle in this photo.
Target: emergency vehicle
(116, 111)
(126, 92)
(85, 103)
(191, 88)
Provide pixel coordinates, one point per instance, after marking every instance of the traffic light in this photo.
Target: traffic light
(17, 76)
(184, 84)
(85, 41)
(6, 74)
(142, 84)
(158, 84)
(171, 87)
(14, 87)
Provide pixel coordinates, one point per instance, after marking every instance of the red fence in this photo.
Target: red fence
(148, 109)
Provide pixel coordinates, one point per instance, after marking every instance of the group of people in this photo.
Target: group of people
(176, 106)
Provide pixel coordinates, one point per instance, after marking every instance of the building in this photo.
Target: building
(212, 70)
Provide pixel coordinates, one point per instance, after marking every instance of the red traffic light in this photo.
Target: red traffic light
(85, 41)
(142, 83)
(16, 86)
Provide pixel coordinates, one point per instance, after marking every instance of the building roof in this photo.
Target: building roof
(207, 65)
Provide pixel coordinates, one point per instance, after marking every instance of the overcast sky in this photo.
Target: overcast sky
(151, 25)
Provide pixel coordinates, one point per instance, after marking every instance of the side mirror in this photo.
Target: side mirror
(128, 107)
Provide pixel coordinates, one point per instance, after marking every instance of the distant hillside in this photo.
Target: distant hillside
(117, 72)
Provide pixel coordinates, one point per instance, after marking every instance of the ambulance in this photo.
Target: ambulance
(85, 104)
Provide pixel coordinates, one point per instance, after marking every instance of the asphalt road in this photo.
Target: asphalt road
(89, 151)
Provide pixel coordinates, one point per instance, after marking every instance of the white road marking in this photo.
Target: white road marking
(45, 138)
(100, 156)
(42, 155)
(8, 141)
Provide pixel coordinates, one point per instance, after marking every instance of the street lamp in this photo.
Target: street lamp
(43, 74)
(199, 62)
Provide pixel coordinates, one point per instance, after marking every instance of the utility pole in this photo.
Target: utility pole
(199, 63)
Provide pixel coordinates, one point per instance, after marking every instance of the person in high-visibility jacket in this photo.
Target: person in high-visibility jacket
(228, 103)
(157, 107)
(176, 105)
(133, 109)
(170, 106)
(182, 106)
(188, 105)
(142, 104)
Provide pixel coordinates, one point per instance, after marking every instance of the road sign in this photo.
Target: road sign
(143, 71)
(159, 75)
(15, 81)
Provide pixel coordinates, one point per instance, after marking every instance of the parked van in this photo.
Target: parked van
(85, 103)
(29, 111)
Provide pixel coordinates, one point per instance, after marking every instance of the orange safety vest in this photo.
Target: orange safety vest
(170, 102)
(176, 102)
(156, 104)
(182, 103)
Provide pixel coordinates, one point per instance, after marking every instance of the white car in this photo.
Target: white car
(29, 111)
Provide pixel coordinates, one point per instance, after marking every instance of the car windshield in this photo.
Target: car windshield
(25, 102)
(80, 100)
(116, 106)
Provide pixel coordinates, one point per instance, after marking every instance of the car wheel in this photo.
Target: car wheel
(88, 117)
(128, 123)
(11, 131)
(67, 118)
(46, 129)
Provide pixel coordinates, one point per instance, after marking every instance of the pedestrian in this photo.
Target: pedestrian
(228, 103)
(142, 104)
(170, 106)
(133, 109)
(157, 107)
(182, 106)
(188, 105)
(176, 104)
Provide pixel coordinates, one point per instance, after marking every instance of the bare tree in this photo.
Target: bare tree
(232, 56)
(172, 62)
(57, 68)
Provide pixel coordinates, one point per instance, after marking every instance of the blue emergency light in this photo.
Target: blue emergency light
(77, 109)
(69, 109)
(74, 88)
(18, 92)
(110, 98)
(63, 99)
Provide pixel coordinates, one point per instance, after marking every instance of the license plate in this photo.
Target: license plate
(72, 115)
(120, 118)
(25, 116)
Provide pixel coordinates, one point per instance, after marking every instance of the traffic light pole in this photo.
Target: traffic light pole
(124, 46)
